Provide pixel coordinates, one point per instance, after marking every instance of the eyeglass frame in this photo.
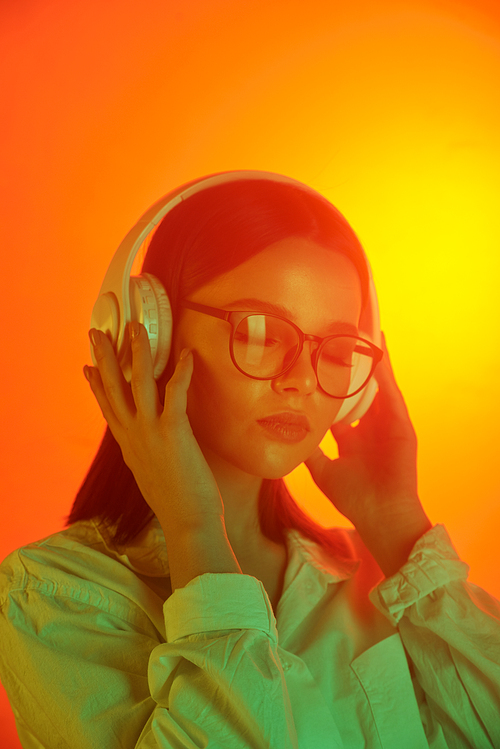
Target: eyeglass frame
(227, 316)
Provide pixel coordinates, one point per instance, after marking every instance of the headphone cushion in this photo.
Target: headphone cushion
(161, 343)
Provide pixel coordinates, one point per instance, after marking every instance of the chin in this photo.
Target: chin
(278, 466)
(273, 475)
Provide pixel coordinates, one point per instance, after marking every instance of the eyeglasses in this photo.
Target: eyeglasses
(264, 346)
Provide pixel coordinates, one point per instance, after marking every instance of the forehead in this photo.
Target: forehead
(314, 283)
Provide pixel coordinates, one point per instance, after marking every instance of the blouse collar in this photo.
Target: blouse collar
(147, 553)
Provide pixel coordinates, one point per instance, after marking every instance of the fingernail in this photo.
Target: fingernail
(184, 353)
(134, 329)
(94, 336)
(86, 372)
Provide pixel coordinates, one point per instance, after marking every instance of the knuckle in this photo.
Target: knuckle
(139, 337)
(136, 342)
(111, 390)
(174, 419)
(175, 404)
(99, 353)
(135, 380)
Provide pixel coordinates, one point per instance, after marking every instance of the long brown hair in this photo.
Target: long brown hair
(210, 233)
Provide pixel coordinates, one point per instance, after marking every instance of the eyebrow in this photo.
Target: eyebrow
(259, 305)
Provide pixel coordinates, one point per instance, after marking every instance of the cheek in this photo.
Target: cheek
(220, 396)
(217, 395)
(328, 410)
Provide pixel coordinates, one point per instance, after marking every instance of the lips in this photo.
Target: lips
(288, 419)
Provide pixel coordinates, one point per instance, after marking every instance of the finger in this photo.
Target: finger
(384, 367)
(389, 395)
(116, 388)
(316, 459)
(95, 381)
(176, 390)
(320, 468)
(385, 363)
(340, 430)
(142, 382)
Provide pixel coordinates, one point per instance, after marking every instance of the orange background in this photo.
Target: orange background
(390, 109)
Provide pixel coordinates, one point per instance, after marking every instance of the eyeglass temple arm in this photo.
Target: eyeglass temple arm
(212, 311)
(376, 352)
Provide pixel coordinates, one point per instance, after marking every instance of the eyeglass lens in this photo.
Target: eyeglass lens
(264, 346)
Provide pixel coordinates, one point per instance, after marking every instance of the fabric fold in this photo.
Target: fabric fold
(432, 563)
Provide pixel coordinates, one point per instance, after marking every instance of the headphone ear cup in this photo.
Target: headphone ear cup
(150, 305)
(354, 408)
(164, 332)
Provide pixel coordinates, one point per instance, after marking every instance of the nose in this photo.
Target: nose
(302, 376)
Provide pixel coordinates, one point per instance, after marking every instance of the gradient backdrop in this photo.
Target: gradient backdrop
(390, 109)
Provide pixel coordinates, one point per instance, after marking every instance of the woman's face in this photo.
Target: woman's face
(317, 286)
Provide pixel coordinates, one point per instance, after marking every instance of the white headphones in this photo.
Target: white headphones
(123, 298)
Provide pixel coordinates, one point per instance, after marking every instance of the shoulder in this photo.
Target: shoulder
(43, 562)
(77, 628)
(70, 568)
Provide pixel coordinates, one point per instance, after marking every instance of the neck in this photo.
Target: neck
(240, 496)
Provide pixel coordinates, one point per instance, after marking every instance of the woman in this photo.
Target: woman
(190, 603)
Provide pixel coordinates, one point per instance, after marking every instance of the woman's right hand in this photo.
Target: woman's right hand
(157, 442)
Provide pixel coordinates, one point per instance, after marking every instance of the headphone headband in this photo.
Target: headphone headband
(123, 259)
(123, 298)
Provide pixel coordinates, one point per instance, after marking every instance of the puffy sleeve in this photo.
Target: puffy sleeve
(218, 681)
(450, 630)
(84, 668)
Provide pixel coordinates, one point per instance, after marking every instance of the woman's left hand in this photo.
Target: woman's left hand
(373, 482)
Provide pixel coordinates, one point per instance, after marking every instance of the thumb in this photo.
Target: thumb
(317, 460)
(340, 430)
(322, 470)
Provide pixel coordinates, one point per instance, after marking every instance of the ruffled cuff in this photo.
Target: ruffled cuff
(218, 602)
(433, 562)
